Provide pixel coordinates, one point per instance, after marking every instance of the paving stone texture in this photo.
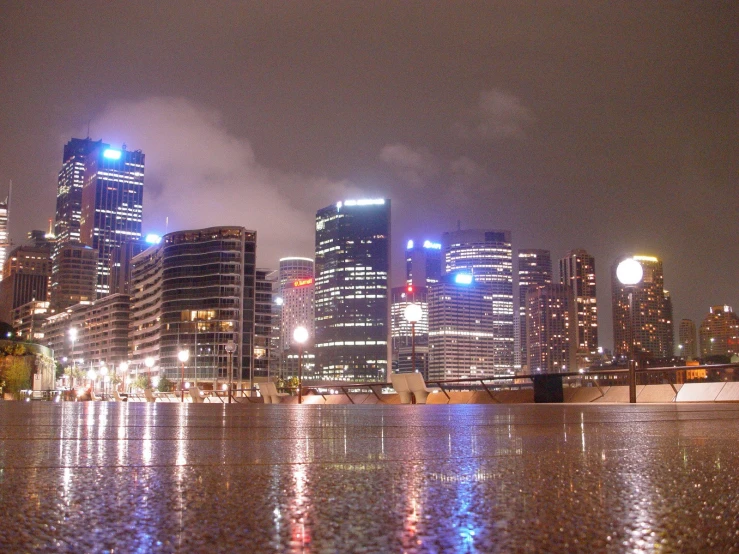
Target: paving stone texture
(116, 477)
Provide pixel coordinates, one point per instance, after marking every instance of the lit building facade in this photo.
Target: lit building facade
(719, 332)
(74, 276)
(352, 304)
(28, 320)
(266, 352)
(4, 233)
(423, 263)
(688, 336)
(462, 328)
(112, 204)
(488, 256)
(297, 297)
(27, 272)
(550, 328)
(534, 270)
(642, 313)
(196, 290)
(69, 189)
(402, 332)
(577, 271)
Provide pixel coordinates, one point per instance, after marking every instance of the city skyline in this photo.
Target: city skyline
(601, 142)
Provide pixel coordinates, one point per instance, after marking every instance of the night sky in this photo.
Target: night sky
(606, 126)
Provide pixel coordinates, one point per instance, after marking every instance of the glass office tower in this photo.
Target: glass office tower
(351, 291)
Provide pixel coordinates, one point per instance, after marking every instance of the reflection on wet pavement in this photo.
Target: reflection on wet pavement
(467, 478)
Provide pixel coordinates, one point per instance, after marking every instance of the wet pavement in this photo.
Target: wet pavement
(90, 477)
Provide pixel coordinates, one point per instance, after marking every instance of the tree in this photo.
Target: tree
(17, 376)
(165, 385)
(142, 382)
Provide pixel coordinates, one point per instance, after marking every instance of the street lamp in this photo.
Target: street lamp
(183, 355)
(300, 335)
(73, 337)
(230, 348)
(149, 363)
(630, 272)
(104, 375)
(92, 376)
(413, 314)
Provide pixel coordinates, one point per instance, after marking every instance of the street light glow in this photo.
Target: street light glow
(413, 313)
(183, 355)
(629, 272)
(300, 335)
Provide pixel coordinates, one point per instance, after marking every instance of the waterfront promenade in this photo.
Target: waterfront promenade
(117, 477)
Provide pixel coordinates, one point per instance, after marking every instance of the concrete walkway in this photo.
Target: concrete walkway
(93, 477)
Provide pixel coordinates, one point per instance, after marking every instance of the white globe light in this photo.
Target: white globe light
(413, 313)
(300, 335)
(183, 355)
(629, 272)
(149, 362)
(123, 367)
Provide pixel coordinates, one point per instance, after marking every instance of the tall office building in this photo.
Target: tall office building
(488, 256)
(423, 263)
(297, 294)
(120, 263)
(195, 290)
(352, 304)
(688, 346)
(550, 327)
(534, 270)
(642, 312)
(69, 189)
(719, 332)
(402, 331)
(4, 233)
(577, 271)
(462, 328)
(112, 204)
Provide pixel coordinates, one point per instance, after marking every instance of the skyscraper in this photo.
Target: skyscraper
(4, 233)
(402, 331)
(423, 263)
(534, 270)
(112, 204)
(26, 276)
(550, 326)
(488, 256)
(69, 190)
(297, 294)
(352, 305)
(642, 312)
(688, 339)
(577, 271)
(462, 328)
(719, 332)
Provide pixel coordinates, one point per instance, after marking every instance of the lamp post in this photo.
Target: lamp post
(104, 376)
(300, 335)
(149, 363)
(629, 272)
(230, 348)
(413, 314)
(183, 355)
(92, 376)
(73, 337)
(123, 370)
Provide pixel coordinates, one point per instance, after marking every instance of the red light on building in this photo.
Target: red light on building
(410, 288)
(302, 282)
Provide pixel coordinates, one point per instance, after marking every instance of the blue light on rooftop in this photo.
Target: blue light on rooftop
(112, 154)
(434, 245)
(153, 239)
(409, 246)
(463, 279)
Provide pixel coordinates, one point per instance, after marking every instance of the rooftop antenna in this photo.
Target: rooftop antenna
(459, 225)
(88, 128)
(166, 225)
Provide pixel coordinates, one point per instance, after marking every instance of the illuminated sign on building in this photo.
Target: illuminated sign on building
(112, 154)
(434, 245)
(302, 282)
